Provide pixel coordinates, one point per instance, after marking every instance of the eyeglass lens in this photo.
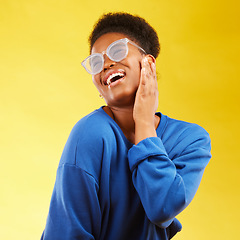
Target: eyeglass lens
(116, 52)
(96, 63)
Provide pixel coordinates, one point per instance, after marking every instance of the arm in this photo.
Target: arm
(74, 211)
(166, 186)
(146, 101)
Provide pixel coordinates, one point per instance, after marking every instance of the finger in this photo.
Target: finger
(150, 67)
(144, 70)
(143, 78)
(148, 74)
(153, 66)
(146, 64)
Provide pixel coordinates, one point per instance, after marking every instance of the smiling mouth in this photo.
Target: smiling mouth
(114, 77)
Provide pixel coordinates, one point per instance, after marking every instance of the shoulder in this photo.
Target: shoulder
(86, 137)
(183, 134)
(181, 128)
(93, 124)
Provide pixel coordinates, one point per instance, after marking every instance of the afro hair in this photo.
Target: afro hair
(135, 27)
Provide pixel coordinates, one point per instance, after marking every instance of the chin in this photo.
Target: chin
(121, 99)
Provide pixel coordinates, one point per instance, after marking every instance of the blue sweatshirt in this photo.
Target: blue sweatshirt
(109, 189)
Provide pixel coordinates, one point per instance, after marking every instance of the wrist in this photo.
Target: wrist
(144, 130)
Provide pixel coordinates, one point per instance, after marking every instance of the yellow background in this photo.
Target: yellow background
(44, 91)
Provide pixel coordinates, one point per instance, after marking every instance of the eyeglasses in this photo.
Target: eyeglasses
(116, 51)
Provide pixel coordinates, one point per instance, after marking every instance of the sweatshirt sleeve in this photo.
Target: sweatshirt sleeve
(74, 209)
(166, 186)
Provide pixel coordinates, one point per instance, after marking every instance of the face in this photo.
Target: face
(118, 81)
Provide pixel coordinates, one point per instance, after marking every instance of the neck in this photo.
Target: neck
(124, 118)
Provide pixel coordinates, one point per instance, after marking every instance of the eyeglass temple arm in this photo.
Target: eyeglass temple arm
(136, 45)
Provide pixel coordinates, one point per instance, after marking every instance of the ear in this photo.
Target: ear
(150, 58)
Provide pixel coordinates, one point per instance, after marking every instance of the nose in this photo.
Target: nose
(108, 63)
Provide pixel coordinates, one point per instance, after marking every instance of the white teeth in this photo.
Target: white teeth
(112, 76)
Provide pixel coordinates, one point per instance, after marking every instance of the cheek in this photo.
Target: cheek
(96, 82)
(94, 79)
(135, 70)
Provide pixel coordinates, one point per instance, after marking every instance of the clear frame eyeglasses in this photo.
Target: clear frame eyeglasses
(116, 51)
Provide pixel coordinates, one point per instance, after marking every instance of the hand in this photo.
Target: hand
(146, 100)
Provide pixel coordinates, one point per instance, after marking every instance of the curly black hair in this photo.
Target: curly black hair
(135, 27)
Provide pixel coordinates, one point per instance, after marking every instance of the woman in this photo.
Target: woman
(126, 171)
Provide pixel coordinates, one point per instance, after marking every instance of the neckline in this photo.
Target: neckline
(160, 128)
